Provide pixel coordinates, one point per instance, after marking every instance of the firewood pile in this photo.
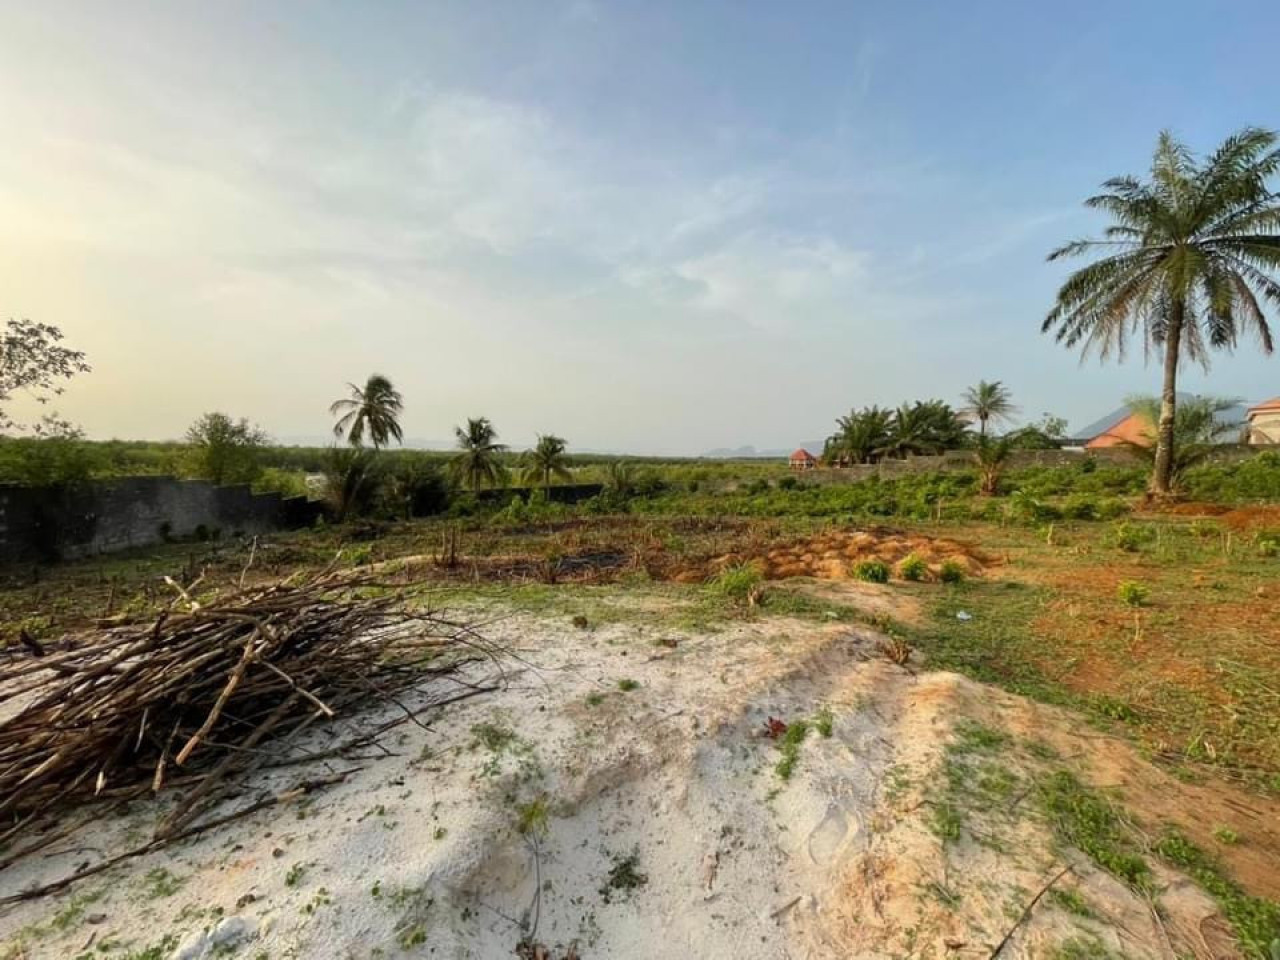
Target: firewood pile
(215, 688)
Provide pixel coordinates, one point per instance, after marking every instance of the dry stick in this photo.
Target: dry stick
(1026, 912)
(236, 676)
(253, 550)
(207, 784)
(307, 786)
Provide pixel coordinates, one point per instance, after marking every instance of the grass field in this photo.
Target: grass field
(1162, 623)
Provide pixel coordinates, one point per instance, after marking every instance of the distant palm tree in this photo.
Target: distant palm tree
(862, 437)
(374, 409)
(480, 459)
(988, 401)
(926, 427)
(1182, 266)
(545, 461)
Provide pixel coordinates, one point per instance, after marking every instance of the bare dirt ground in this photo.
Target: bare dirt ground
(834, 554)
(621, 798)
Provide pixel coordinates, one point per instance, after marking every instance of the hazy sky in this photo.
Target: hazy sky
(658, 227)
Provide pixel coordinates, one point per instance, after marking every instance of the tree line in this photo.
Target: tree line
(1184, 268)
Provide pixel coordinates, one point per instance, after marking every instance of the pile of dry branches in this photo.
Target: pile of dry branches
(210, 690)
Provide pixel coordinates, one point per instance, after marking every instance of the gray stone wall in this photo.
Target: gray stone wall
(101, 517)
(963, 459)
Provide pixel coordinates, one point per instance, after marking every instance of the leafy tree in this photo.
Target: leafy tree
(223, 450)
(374, 409)
(480, 459)
(1197, 430)
(992, 458)
(1181, 267)
(415, 488)
(545, 461)
(988, 402)
(58, 459)
(33, 361)
(862, 437)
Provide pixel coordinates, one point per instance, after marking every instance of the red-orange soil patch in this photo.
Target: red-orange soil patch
(834, 555)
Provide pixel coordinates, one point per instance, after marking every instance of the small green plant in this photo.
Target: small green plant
(595, 699)
(626, 684)
(321, 899)
(624, 877)
(1226, 836)
(789, 744)
(912, 567)
(412, 936)
(533, 819)
(1268, 546)
(823, 722)
(951, 571)
(295, 874)
(871, 571)
(1131, 593)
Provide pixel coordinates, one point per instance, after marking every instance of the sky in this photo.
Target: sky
(653, 227)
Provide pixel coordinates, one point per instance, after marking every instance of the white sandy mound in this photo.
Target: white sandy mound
(654, 825)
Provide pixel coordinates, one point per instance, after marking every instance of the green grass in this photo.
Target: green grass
(159, 883)
(1094, 825)
(973, 777)
(1082, 948)
(1070, 901)
(1256, 921)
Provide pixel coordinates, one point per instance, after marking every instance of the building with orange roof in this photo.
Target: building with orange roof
(802, 459)
(1264, 422)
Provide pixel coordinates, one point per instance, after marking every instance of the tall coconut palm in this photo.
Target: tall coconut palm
(546, 461)
(988, 402)
(373, 409)
(480, 458)
(1182, 266)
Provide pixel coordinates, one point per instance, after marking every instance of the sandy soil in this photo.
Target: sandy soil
(656, 825)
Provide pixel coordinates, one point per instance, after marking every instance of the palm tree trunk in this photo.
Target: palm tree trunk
(982, 426)
(1162, 475)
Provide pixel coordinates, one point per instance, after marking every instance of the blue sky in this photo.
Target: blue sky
(654, 227)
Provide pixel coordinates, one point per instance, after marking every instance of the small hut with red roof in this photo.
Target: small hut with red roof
(802, 459)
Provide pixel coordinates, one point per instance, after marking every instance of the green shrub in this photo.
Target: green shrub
(1132, 593)
(951, 571)
(1131, 537)
(872, 571)
(1080, 507)
(912, 567)
(1268, 545)
(737, 581)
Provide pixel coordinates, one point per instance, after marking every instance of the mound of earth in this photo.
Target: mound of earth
(835, 554)
(775, 790)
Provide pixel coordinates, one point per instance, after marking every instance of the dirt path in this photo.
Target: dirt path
(622, 795)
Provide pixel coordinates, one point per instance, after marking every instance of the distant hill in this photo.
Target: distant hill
(749, 452)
